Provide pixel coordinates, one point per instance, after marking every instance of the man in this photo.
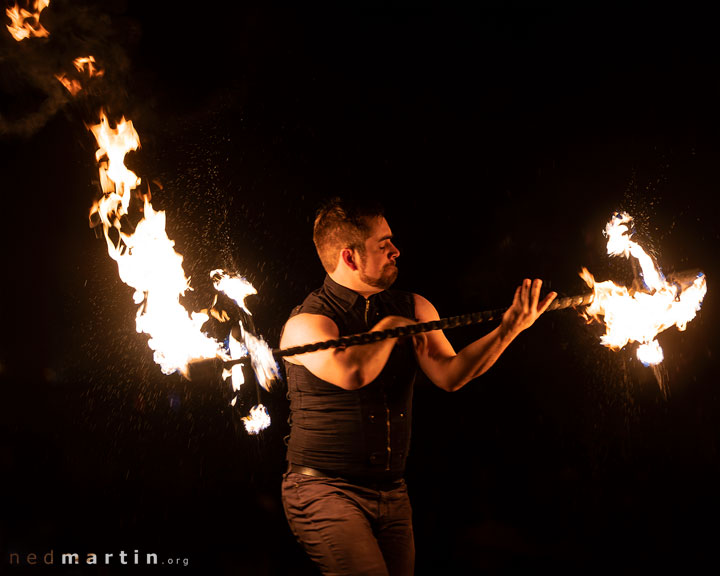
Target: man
(350, 407)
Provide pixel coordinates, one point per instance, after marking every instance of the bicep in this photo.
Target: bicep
(438, 346)
(307, 329)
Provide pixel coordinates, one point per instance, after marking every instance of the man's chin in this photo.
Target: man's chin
(389, 277)
(386, 280)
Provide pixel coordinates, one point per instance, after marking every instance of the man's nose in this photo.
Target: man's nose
(394, 252)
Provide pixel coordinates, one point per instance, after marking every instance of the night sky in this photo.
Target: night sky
(500, 139)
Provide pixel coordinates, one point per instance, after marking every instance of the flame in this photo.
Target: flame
(235, 373)
(26, 23)
(87, 64)
(263, 362)
(71, 84)
(650, 354)
(640, 315)
(146, 258)
(115, 178)
(148, 262)
(258, 420)
(235, 287)
(84, 65)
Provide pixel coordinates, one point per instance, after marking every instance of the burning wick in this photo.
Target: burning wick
(640, 315)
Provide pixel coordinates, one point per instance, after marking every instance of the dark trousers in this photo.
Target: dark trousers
(348, 529)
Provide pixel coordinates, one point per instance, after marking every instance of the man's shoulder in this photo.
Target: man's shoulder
(305, 314)
(316, 302)
(400, 302)
(399, 293)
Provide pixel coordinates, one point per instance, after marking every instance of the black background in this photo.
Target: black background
(500, 138)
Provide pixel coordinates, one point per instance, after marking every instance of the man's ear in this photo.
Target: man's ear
(348, 257)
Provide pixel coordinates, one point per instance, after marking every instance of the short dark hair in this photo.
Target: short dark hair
(342, 223)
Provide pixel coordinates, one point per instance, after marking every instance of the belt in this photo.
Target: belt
(383, 485)
(307, 471)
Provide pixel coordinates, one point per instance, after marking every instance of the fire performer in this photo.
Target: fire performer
(344, 494)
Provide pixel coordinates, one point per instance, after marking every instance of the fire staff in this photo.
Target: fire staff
(344, 493)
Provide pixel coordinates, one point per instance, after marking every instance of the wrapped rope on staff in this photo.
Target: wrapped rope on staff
(204, 366)
(442, 324)
(683, 280)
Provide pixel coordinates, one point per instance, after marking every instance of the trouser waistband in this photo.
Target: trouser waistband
(384, 485)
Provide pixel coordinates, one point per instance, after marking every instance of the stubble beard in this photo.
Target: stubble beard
(385, 280)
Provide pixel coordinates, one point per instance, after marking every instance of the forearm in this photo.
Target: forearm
(362, 363)
(451, 371)
(473, 360)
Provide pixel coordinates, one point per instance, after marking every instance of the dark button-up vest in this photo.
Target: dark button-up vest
(360, 434)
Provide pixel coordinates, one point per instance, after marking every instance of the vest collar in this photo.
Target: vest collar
(344, 296)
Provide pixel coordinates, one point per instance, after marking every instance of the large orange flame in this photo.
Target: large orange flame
(631, 315)
(146, 258)
(147, 261)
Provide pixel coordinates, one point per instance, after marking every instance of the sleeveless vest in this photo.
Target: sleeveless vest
(358, 434)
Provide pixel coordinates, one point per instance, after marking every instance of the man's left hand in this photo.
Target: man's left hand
(526, 307)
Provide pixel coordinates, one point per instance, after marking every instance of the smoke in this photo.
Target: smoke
(31, 94)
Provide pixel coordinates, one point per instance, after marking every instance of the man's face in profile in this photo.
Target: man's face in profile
(377, 265)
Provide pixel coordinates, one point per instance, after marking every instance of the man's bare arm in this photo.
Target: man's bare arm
(451, 371)
(350, 367)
